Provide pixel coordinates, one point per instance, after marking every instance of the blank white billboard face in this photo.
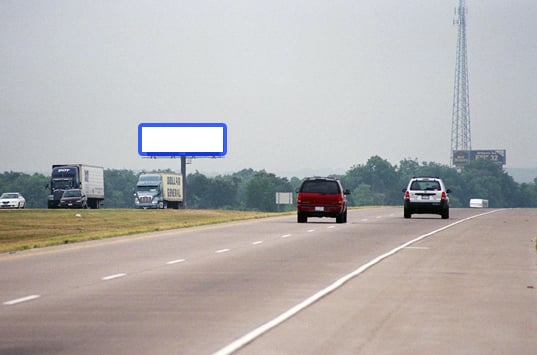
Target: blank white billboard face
(182, 139)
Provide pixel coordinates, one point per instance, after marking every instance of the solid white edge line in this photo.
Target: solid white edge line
(249, 337)
(111, 277)
(20, 300)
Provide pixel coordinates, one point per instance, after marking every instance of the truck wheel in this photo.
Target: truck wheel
(301, 218)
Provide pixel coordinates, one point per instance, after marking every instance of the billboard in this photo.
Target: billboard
(182, 139)
(463, 157)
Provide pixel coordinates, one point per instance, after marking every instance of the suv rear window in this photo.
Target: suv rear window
(425, 185)
(321, 187)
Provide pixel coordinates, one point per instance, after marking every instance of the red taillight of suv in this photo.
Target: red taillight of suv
(444, 196)
(407, 195)
(299, 198)
(340, 200)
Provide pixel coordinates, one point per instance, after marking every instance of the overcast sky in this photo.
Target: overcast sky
(305, 87)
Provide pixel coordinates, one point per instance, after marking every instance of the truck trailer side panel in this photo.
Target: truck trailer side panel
(172, 187)
(93, 181)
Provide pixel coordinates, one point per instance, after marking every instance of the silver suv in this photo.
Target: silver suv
(426, 195)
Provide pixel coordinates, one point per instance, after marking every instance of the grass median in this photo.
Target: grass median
(29, 229)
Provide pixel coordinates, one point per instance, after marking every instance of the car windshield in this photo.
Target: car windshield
(321, 186)
(425, 185)
(72, 193)
(9, 195)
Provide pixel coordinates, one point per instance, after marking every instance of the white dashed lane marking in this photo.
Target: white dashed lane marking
(120, 275)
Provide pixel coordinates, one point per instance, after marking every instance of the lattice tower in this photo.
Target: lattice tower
(460, 121)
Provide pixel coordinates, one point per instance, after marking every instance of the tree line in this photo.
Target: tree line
(377, 182)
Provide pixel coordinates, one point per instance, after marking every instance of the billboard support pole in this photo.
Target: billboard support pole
(183, 174)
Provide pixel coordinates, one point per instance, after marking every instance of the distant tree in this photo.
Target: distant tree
(528, 194)
(260, 193)
(197, 192)
(32, 187)
(243, 177)
(295, 183)
(375, 183)
(224, 191)
(218, 192)
(486, 179)
(363, 196)
(380, 177)
(118, 188)
(408, 169)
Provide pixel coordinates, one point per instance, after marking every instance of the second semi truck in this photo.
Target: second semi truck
(159, 190)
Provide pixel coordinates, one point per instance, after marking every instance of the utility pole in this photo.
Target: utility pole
(460, 119)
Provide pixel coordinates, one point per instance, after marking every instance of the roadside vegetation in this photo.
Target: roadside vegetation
(37, 228)
(377, 182)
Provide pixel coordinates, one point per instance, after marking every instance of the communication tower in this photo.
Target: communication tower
(461, 139)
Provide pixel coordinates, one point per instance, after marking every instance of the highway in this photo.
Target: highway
(379, 284)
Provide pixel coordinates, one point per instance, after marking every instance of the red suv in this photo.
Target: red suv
(321, 197)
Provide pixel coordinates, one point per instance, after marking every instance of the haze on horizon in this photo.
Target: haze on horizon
(303, 86)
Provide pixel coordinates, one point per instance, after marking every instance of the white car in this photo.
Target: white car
(12, 200)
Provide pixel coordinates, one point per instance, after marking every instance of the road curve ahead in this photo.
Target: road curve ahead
(377, 284)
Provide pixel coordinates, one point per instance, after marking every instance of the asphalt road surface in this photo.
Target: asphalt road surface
(379, 284)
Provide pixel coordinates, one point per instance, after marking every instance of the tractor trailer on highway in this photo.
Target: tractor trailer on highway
(159, 190)
(88, 178)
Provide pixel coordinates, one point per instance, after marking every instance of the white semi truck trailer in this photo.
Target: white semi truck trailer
(88, 178)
